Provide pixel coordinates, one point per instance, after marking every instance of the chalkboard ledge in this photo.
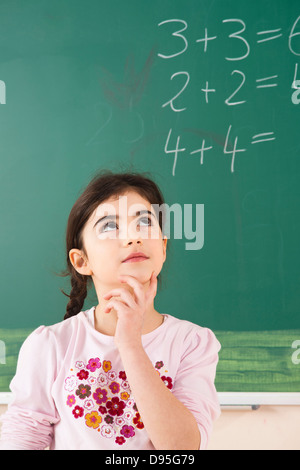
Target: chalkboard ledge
(228, 398)
(257, 399)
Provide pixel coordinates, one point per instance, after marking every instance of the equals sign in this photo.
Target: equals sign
(266, 85)
(268, 32)
(265, 137)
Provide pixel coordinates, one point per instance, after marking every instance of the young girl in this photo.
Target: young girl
(120, 375)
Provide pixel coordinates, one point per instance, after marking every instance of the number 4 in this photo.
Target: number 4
(177, 149)
(233, 152)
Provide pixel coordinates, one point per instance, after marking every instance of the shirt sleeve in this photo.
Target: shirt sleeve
(28, 422)
(194, 383)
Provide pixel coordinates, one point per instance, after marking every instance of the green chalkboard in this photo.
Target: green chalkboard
(203, 96)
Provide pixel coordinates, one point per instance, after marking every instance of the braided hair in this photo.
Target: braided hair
(77, 295)
(104, 185)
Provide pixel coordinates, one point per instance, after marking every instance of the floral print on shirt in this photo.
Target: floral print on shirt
(101, 397)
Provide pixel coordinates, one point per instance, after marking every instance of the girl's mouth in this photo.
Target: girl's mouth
(136, 259)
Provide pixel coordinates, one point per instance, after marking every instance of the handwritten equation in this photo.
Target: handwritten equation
(181, 44)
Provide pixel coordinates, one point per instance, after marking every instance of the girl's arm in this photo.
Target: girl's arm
(169, 424)
(28, 422)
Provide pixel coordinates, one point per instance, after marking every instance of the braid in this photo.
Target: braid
(77, 295)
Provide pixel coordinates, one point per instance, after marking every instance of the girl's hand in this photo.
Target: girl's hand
(130, 309)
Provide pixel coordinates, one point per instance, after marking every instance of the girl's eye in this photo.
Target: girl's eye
(147, 220)
(106, 225)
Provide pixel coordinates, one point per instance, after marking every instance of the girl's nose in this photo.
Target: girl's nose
(132, 241)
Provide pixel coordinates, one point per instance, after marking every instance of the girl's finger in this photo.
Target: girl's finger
(116, 304)
(136, 285)
(124, 294)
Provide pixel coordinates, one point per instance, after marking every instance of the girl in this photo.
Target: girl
(120, 375)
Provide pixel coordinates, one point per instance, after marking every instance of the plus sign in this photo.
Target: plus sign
(201, 151)
(206, 39)
(206, 91)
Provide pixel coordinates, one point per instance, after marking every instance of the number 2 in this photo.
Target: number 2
(235, 92)
(170, 102)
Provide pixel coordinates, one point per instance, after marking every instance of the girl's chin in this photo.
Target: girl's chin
(142, 277)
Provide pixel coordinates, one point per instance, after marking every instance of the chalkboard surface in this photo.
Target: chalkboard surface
(202, 95)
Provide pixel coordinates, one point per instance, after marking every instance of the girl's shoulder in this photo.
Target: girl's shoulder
(189, 333)
(187, 327)
(56, 336)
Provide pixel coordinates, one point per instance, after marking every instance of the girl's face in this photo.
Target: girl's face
(118, 227)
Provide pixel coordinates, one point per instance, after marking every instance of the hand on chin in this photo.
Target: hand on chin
(142, 277)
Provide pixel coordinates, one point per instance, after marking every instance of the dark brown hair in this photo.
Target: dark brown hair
(104, 185)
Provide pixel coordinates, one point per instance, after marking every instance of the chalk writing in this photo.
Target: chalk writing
(182, 44)
(228, 149)
(236, 31)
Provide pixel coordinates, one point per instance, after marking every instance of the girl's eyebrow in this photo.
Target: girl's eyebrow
(117, 216)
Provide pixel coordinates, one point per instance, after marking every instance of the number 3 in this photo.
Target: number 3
(176, 34)
(235, 35)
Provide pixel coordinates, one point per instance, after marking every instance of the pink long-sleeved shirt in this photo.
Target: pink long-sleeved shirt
(70, 390)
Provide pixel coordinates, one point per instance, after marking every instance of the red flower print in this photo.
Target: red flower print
(115, 407)
(94, 364)
(127, 431)
(100, 395)
(120, 440)
(167, 381)
(78, 412)
(83, 391)
(83, 374)
(114, 387)
(122, 375)
(102, 410)
(137, 421)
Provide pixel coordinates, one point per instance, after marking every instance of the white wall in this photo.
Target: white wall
(268, 428)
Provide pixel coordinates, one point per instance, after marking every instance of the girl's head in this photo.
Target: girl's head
(97, 245)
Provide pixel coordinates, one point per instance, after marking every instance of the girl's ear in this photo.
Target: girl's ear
(79, 262)
(165, 241)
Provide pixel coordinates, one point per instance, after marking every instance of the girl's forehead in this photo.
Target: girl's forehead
(125, 204)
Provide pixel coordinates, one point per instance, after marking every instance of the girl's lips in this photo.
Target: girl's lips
(136, 259)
